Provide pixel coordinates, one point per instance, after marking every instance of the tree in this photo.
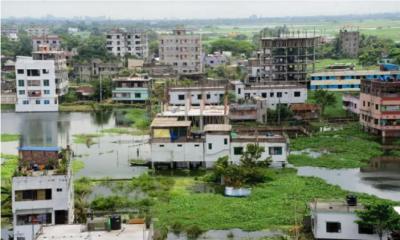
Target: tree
(105, 86)
(381, 216)
(237, 47)
(324, 99)
(281, 113)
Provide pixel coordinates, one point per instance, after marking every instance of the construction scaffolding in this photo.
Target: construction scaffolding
(287, 58)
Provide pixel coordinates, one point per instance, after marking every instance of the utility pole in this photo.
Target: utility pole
(101, 88)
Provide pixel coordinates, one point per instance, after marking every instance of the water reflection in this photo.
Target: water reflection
(108, 157)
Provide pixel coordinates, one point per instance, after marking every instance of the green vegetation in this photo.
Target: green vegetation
(77, 165)
(22, 47)
(270, 206)
(138, 117)
(237, 47)
(86, 138)
(330, 111)
(119, 131)
(5, 137)
(381, 216)
(324, 99)
(7, 107)
(349, 147)
(9, 166)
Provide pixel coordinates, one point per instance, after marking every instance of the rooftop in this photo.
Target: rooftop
(35, 148)
(160, 122)
(304, 107)
(353, 72)
(333, 206)
(217, 128)
(133, 78)
(194, 111)
(397, 209)
(75, 232)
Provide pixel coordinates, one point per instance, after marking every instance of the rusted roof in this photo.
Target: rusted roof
(304, 107)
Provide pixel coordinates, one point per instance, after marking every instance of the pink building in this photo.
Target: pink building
(380, 107)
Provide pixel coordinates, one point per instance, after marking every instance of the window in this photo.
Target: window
(297, 94)
(59, 189)
(197, 145)
(225, 141)
(21, 92)
(238, 150)
(37, 101)
(46, 102)
(45, 71)
(34, 83)
(363, 103)
(161, 145)
(239, 90)
(181, 97)
(208, 96)
(46, 83)
(210, 146)
(179, 145)
(33, 72)
(279, 94)
(365, 229)
(199, 96)
(264, 95)
(25, 102)
(138, 95)
(333, 227)
(46, 92)
(376, 106)
(271, 94)
(28, 219)
(21, 83)
(275, 150)
(33, 195)
(20, 71)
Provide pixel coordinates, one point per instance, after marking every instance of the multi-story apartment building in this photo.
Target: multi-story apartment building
(349, 41)
(134, 43)
(214, 60)
(182, 50)
(53, 42)
(60, 66)
(379, 107)
(42, 193)
(275, 93)
(10, 33)
(131, 89)
(286, 58)
(347, 80)
(37, 31)
(35, 85)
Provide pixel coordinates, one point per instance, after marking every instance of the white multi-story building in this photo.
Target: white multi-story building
(134, 43)
(216, 59)
(172, 142)
(337, 220)
(42, 194)
(274, 93)
(182, 50)
(36, 85)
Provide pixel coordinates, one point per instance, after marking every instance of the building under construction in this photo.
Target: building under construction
(286, 58)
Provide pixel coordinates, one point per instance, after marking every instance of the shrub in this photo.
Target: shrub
(193, 231)
(177, 228)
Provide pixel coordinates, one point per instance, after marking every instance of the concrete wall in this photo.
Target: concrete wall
(215, 97)
(177, 152)
(218, 147)
(349, 229)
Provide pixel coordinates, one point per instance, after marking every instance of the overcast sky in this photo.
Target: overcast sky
(134, 9)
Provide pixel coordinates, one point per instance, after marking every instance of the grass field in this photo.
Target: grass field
(274, 204)
(5, 137)
(346, 148)
(335, 110)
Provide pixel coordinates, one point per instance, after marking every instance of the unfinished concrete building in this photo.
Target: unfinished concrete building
(349, 40)
(286, 58)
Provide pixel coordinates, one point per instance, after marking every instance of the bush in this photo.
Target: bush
(176, 228)
(193, 232)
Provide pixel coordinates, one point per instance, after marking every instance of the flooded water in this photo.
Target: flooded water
(107, 157)
(381, 183)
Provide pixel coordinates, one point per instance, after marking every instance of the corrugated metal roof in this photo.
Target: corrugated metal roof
(35, 148)
(169, 122)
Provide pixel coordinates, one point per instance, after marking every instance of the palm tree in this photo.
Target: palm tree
(324, 99)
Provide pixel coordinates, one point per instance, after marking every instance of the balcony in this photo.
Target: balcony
(36, 93)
